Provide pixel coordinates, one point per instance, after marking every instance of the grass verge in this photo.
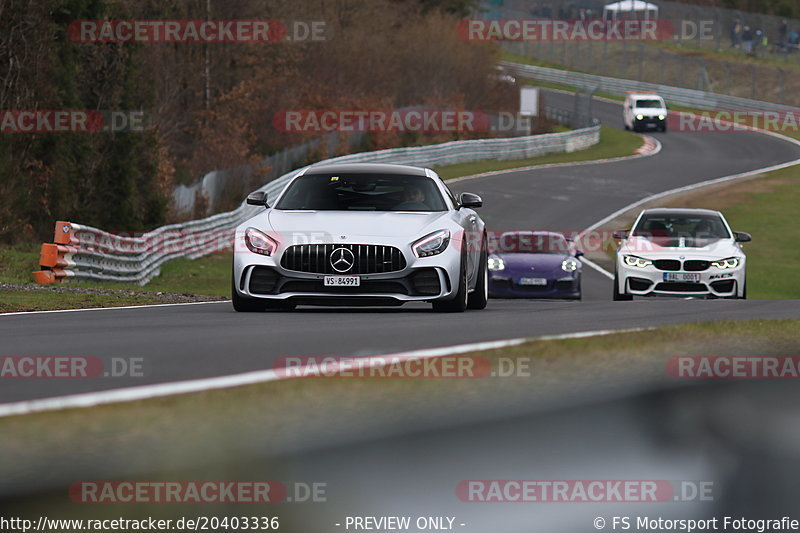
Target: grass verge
(613, 143)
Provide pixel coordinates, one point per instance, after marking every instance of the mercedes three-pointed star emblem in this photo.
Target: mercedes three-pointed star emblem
(342, 260)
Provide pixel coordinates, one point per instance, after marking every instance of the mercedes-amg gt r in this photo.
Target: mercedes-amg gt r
(362, 234)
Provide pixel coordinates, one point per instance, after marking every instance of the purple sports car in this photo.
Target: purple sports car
(533, 264)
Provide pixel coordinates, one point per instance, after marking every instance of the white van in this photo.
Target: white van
(644, 111)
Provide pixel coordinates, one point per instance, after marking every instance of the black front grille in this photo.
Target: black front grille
(667, 264)
(695, 265)
(367, 258)
(681, 287)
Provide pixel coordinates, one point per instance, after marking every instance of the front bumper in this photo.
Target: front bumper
(649, 123)
(650, 281)
(423, 279)
(507, 285)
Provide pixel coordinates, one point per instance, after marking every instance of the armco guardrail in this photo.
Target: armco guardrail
(617, 86)
(84, 252)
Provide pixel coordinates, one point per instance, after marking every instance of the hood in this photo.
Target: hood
(541, 262)
(670, 247)
(352, 224)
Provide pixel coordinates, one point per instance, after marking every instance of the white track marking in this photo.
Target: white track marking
(144, 392)
(108, 308)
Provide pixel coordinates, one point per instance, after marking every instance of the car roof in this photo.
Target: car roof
(679, 211)
(365, 168)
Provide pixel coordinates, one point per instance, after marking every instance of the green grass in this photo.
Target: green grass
(205, 430)
(613, 143)
(181, 280)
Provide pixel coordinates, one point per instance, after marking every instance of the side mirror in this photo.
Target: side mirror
(578, 253)
(620, 234)
(467, 199)
(741, 236)
(257, 198)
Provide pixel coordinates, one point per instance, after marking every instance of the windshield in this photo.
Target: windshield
(649, 103)
(694, 228)
(530, 243)
(362, 192)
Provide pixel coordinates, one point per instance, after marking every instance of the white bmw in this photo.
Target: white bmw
(362, 234)
(680, 252)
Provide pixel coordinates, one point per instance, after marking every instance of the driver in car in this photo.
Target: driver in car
(413, 199)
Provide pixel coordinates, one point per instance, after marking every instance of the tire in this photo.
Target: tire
(480, 296)
(243, 304)
(744, 292)
(618, 296)
(459, 303)
(664, 128)
(626, 127)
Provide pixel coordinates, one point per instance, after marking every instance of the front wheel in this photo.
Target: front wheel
(459, 303)
(480, 296)
(620, 296)
(243, 304)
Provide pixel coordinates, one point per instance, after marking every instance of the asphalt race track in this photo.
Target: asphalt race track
(181, 342)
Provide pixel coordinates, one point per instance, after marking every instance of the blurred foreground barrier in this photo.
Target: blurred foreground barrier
(84, 252)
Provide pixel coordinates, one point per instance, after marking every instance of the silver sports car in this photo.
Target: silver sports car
(362, 234)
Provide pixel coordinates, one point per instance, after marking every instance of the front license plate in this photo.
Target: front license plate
(533, 281)
(681, 276)
(342, 281)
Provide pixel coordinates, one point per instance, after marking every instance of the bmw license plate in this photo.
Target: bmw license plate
(342, 281)
(681, 276)
(533, 281)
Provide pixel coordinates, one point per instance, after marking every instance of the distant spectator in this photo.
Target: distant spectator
(736, 33)
(747, 40)
(794, 37)
(783, 29)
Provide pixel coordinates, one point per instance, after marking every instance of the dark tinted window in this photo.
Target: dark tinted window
(675, 226)
(648, 103)
(362, 192)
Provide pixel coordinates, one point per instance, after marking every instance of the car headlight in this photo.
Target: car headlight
(730, 262)
(259, 242)
(661, 117)
(569, 265)
(634, 261)
(495, 263)
(639, 117)
(432, 244)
